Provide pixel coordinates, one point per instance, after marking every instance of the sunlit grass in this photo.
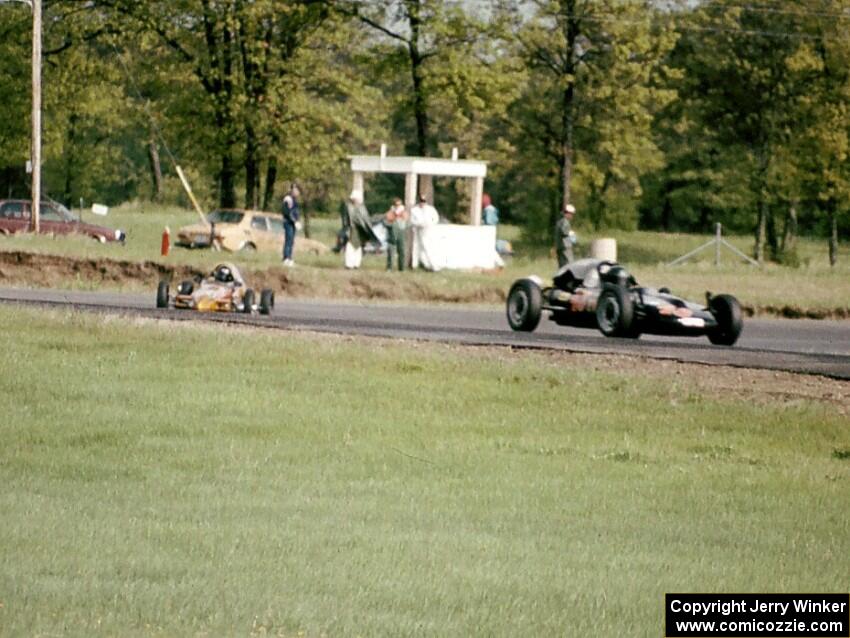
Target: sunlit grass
(160, 479)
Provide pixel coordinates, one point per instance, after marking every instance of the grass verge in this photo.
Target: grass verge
(162, 479)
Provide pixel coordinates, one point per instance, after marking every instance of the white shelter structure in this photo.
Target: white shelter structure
(448, 245)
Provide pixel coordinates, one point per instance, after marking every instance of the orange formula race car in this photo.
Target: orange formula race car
(224, 290)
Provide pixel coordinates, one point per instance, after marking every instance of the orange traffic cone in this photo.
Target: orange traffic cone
(166, 242)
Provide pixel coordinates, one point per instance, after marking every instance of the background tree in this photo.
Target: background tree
(821, 64)
(442, 76)
(587, 106)
(237, 51)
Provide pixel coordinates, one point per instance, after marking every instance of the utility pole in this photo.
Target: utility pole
(36, 115)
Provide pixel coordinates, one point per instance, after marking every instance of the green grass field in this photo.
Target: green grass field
(814, 287)
(176, 480)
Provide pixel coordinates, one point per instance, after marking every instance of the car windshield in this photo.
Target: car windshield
(54, 211)
(225, 217)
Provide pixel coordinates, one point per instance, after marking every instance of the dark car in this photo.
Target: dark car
(53, 219)
(592, 293)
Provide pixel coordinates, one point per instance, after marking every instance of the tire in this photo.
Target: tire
(248, 301)
(615, 312)
(727, 312)
(162, 295)
(266, 301)
(186, 287)
(634, 331)
(524, 305)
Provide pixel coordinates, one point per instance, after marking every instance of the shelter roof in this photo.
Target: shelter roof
(418, 165)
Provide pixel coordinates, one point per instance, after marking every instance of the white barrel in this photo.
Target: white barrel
(604, 248)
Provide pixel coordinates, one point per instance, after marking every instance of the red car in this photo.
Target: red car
(53, 219)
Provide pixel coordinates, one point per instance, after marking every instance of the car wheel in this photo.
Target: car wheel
(634, 330)
(100, 239)
(248, 301)
(727, 312)
(615, 312)
(186, 287)
(162, 295)
(266, 301)
(524, 305)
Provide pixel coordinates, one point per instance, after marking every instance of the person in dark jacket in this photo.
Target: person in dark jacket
(291, 215)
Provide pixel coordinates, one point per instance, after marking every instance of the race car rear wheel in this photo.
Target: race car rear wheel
(248, 301)
(186, 287)
(524, 305)
(615, 312)
(162, 295)
(266, 301)
(727, 312)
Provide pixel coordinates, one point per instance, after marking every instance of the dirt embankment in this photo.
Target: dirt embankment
(18, 268)
(52, 271)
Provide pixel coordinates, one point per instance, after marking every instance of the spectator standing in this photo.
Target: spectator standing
(291, 215)
(565, 237)
(358, 227)
(395, 220)
(490, 215)
(422, 216)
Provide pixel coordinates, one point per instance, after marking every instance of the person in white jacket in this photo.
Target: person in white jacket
(422, 215)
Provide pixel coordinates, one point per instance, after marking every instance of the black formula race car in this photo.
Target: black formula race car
(599, 294)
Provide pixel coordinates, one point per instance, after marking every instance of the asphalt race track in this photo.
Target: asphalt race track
(805, 346)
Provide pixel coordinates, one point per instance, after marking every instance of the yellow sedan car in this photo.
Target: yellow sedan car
(235, 230)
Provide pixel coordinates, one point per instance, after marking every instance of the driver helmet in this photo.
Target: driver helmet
(223, 274)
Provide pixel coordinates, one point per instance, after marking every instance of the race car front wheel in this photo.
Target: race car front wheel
(615, 312)
(730, 322)
(266, 301)
(162, 295)
(248, 301)
(524, 305)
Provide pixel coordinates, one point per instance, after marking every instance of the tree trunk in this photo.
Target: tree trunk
(420, 107)
(761, 230)
(227, 181)
(271, 177)
(789, 231)
(833, 234)
(305, 216)
(761, 205)
(772, 234)
(156, 171)
(70, 140)
(223, 92)
(571, 32)
(252, 168)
